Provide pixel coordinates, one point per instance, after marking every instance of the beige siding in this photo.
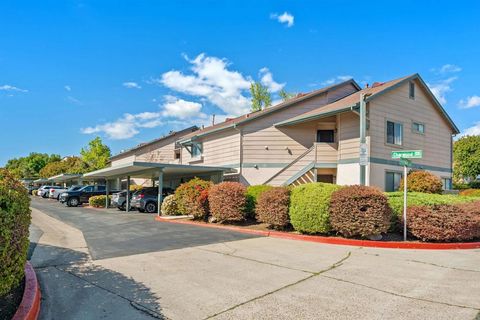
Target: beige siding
(348, 135)
(293, 168)
(127, 159)
(398, 107)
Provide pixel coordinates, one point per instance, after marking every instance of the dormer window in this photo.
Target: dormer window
(411, 90)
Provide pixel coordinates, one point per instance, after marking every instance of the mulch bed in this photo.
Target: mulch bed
(10, 302)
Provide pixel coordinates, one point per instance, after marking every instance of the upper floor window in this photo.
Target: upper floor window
(326, 136)
(197, 149)
(418, 127)
(394, 133)
(411, 90)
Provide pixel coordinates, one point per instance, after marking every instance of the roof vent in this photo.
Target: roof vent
(377, 84)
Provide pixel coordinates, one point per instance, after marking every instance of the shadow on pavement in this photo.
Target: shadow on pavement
(75, 288)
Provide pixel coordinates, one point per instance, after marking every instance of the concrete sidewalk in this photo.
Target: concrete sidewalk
(254, 278)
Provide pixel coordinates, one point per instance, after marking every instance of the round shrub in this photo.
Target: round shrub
(359, 211)
(470, 193)
(14, 223)
(422, 181)
(309, 207)
(272, 207)
(443, 223)
(169, 206)
(192, 198)
(471, 207)
(253, 192)
(227, 201)
(99, 201)
(474, 184)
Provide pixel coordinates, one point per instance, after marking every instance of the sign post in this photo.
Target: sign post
(404, 157)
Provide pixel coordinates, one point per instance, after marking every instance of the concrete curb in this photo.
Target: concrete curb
(334, 240)
(29, 308)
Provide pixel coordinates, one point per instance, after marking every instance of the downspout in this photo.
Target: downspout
(241, 149)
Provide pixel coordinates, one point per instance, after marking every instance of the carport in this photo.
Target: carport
(66, 178)
(154, 170)
(40, 181)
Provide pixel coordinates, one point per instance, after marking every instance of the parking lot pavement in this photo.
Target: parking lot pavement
(254, 278)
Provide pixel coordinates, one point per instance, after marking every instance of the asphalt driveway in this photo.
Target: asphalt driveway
(93, 265)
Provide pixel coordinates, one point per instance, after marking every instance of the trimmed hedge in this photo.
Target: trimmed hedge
(474, 184)
(169, 206)
(470, 193)
(359, 211)
(253, 192)
(99, 201)
(422, 181)
(272, 207)
(309, 207)
(443, 223)
(192, 198)
(395, 200)
(227, 201)
(14, 223)
(472, 207)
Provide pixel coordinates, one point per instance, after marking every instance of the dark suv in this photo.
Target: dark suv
(146, 199)
(73, 198)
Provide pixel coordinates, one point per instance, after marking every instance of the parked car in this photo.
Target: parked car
(55, 193)
(45, 190)
(119, 200)
(76, 197)
(146, 199)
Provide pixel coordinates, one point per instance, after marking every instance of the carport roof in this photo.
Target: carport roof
(151, 169)
(64, 177)
(41, 180)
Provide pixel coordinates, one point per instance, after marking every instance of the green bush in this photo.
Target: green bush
(227, 201)
(14, 223)
(309, 206)
(395, 199)
(272, 207)
(192, 198)
(253, 192)
(169, 206)
(99, 201)
(422, 181)
(474, 184)
(360, 211)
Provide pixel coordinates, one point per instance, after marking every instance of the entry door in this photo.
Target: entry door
(326, 136)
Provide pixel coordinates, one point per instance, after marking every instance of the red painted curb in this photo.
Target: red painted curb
(335, 240)
(29, 308)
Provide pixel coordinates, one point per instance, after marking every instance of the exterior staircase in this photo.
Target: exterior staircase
(300, 168)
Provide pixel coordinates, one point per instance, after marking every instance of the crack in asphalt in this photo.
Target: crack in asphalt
(312, 275)
(400, 295)
(441, 266)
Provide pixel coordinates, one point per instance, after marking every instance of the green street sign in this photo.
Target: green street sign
(407, 154)
(405, 162)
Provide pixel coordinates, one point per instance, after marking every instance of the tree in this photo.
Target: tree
(30, 166)
(286, 95)
(96, 154)
(261, 97)
(72, 165)
(466, 157)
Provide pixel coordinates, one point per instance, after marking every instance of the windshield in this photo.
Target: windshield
(75, 188)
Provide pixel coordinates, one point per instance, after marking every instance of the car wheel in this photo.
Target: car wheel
(141, 210)
(151, 207)
(72, 202)
(44, 195)
(122, 207)
(58, 198)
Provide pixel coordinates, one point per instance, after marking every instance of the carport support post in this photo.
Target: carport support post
(127, 201)
(106, 192)
(160, 191)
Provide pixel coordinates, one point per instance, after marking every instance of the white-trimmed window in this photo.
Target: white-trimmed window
(394, 133)
(418, 127)
(392, 180)
(197, 149)
(447, 183)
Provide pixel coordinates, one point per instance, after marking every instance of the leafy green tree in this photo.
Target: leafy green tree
(68, 165)
(96, 154)
(261, 96)
(466, 157)
(30, 166)
(286, 95)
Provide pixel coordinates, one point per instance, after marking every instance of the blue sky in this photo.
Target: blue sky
(130, 71)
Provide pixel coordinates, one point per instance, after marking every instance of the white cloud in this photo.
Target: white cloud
(336, 80)
(10, 88)
(285, 17)
(470, 102)
(126, 126)
(213, 81)
(472, 131)
(181, 109)
(74, 100)
(441, 88)
(68, 88)
(447, 68)
(266, 78)
(131, 85)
